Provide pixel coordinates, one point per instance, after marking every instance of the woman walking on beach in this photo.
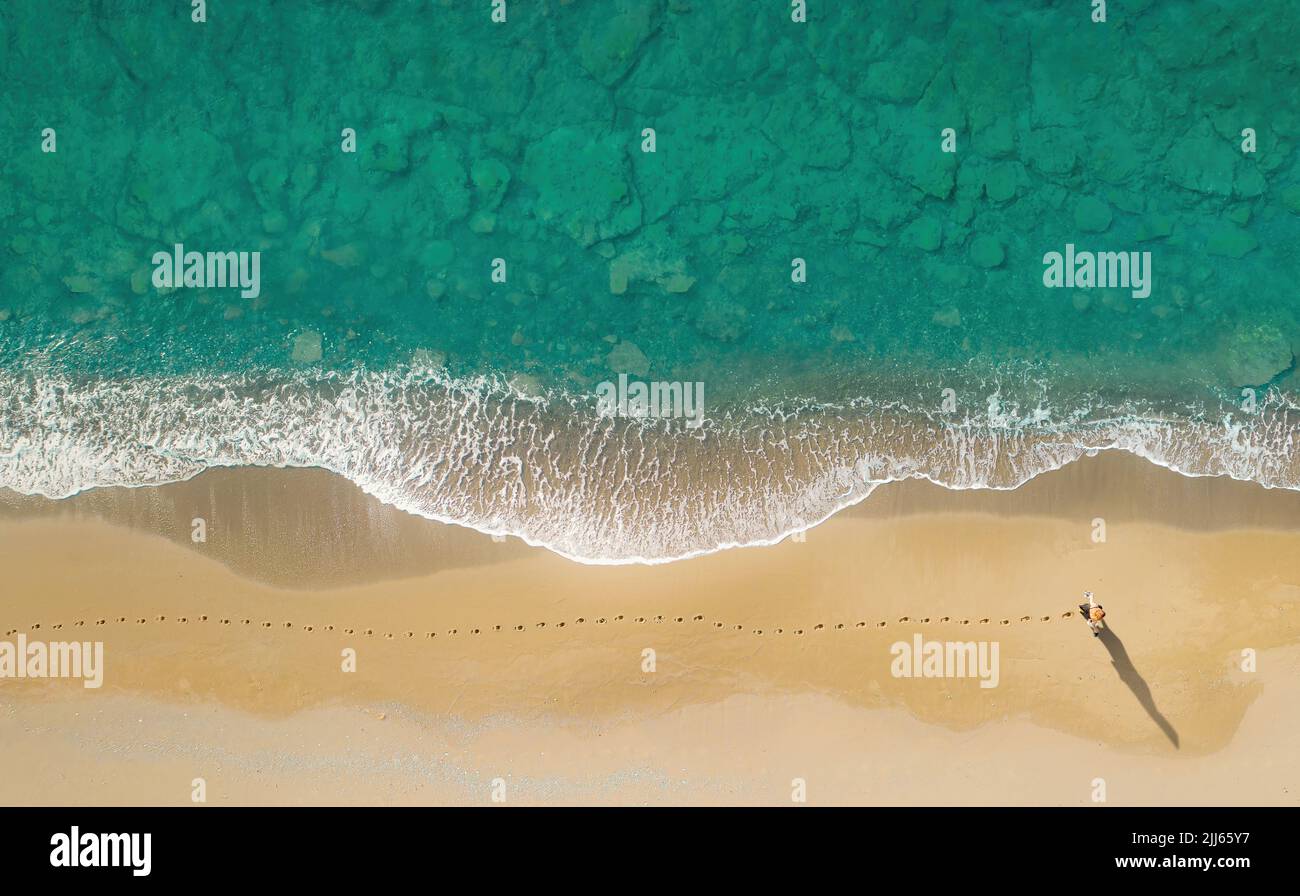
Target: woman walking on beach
(1093, 612)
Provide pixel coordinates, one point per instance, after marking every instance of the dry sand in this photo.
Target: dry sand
(479, 661)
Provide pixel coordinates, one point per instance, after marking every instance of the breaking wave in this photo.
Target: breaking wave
(484, 453)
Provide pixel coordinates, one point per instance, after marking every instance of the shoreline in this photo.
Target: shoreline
(600, 491)
(270, 511)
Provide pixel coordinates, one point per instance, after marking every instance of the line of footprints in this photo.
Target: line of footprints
(680, 620)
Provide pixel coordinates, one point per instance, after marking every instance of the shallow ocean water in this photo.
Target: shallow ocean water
(381, 347)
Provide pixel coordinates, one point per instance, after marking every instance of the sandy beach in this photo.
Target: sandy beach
(493, 669)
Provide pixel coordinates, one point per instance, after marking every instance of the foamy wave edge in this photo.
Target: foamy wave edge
(479, 452)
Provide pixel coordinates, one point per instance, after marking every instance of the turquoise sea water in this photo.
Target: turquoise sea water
(380, 346)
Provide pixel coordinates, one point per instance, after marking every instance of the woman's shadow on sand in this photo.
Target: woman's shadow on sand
(1136, 683)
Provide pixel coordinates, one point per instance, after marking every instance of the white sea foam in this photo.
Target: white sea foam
(556, 473)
